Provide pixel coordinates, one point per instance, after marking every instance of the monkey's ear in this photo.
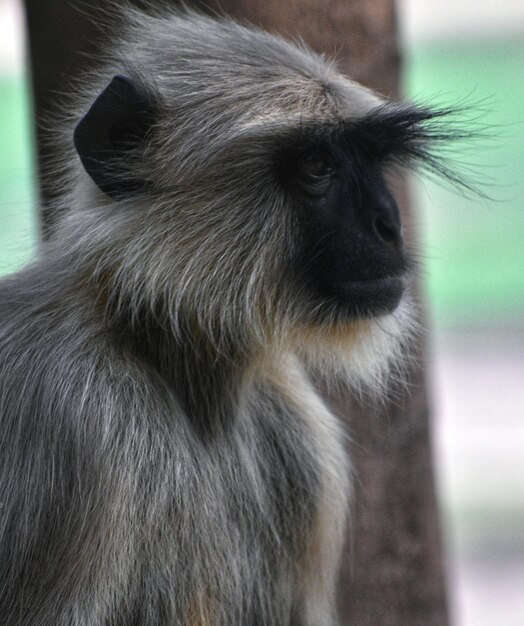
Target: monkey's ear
(109, 137)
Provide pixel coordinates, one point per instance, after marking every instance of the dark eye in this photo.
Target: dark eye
(316, 167)
(316, 174)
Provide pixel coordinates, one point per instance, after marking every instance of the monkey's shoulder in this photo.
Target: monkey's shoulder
(57, 364)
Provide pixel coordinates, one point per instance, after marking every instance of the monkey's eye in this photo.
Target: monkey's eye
(315, 174)
(316, 167)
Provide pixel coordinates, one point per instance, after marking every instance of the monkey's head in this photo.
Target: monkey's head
(237, 188)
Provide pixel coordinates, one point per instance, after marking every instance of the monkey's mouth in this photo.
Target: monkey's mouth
(372, 297)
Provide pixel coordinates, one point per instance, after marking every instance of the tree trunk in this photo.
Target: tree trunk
(392, 568)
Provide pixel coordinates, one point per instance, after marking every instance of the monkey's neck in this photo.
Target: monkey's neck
(205, 381)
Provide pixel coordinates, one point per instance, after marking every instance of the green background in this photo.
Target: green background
(473, 247)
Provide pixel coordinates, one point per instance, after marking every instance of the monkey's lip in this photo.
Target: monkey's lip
(379, 295)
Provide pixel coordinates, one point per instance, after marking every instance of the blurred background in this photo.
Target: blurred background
(473, 253)
(473, 51)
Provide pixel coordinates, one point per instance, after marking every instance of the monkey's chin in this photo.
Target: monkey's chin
(362, 350)
(370, 298)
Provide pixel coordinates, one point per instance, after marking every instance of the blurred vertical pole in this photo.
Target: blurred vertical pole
(61, 43)
(393, 571)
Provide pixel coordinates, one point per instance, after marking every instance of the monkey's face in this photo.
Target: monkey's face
(350, 252)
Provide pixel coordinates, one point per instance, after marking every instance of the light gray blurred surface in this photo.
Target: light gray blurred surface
(11, 37)
(478, 394)
(441, 19)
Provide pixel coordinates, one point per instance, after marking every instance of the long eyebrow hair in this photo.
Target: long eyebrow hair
(412, 135)
(396, 133)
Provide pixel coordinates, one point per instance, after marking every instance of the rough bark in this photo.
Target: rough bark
(392, 572)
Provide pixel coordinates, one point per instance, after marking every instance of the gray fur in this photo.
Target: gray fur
(164, 457)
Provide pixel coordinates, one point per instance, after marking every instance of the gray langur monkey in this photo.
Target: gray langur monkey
(226, 234)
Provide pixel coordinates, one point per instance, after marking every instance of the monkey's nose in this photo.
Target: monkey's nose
(388, 231)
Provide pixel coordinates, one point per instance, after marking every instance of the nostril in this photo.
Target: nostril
(387, 231)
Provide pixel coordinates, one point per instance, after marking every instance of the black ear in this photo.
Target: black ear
(109, 137)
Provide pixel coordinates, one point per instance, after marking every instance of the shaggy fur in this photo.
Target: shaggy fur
(164, 458)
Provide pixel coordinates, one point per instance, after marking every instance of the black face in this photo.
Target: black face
(351, 251)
